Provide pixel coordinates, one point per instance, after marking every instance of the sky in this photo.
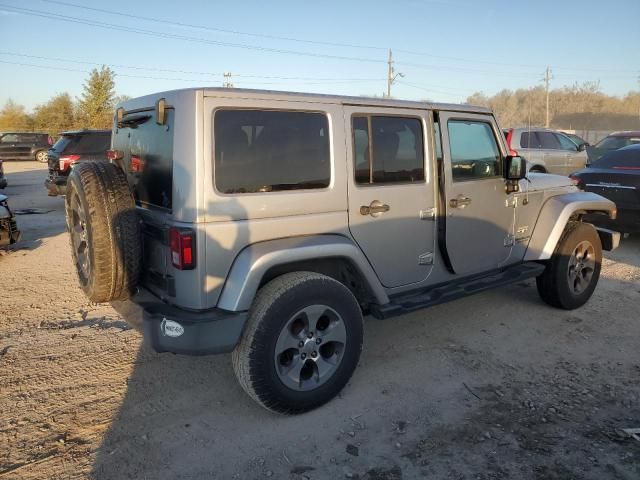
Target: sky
(446, 50)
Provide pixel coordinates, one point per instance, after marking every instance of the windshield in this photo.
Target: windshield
(619, 159)
(614, 143)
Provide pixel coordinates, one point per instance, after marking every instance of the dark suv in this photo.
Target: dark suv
(24, 146)
(73, 147)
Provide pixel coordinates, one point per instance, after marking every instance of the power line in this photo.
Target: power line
(111, 26)
(216, 74)
(152, 33)
(190, 80)
(317, 42)
(215, 29)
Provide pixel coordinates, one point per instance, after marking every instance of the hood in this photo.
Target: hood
(545, 181)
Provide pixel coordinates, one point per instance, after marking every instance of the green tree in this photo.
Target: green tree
(14, 117)
(57, 115)
(95, 105)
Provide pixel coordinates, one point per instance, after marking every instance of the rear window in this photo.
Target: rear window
(148, 157)
(619, 159)
(83, 144)
(268, 151)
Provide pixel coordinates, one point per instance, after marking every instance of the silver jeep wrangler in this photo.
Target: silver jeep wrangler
(268, 224)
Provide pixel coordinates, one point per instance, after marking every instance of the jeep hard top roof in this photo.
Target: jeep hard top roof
(149, 100)
(84, 132)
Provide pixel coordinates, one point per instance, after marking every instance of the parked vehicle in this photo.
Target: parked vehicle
(71, 148)
(546, 151)
(616, 175)
(9, 233)
(577, 139)
(611, 142)
(268, 224)
(24, 146)
(3, 179)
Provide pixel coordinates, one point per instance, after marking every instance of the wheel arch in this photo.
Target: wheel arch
(332, 255)
(556, 213)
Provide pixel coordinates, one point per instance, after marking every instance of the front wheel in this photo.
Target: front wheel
(301, 344)
(572, 273)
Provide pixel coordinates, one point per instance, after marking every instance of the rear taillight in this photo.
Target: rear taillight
(182, 243)
(67, 160)
(50, 140)
(512, 152)
(577, 181)
(114, 155)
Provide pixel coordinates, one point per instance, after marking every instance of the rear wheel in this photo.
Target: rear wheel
(572, 273)
(104, 231)
(537, 169)
(301, 344)
(42, 156)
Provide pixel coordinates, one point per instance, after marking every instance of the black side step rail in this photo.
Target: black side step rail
(416, 300)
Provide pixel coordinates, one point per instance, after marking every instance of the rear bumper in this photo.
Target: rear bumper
(626, 221)
(56, 185)
(171, 329)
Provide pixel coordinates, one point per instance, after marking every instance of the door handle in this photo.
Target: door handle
(459, 202)
(375, 208)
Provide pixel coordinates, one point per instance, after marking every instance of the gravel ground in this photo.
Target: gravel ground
(495, 386)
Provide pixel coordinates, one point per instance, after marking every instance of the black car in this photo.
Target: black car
(73, 147)
(616, 175)
(611, 142)
(25, 146)
(3, 180)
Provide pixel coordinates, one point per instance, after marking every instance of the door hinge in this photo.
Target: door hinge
(509, 240)
(425, 259)
(428, 213)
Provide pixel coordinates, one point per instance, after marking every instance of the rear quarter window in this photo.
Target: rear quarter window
(148, 158)
(270, 150)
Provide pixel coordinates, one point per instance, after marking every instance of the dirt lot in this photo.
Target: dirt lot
(496, 386)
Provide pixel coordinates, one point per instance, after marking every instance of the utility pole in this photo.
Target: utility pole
(391, 75)
(547, 78)
(227, 80)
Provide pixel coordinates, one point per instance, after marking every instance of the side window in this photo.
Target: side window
(388, 150)
(549, 141)
(566, 143)
(529, 140)
(269, 151)
(474, 151)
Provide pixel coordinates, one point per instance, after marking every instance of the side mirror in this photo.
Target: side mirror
(582, 147)
(515, 168)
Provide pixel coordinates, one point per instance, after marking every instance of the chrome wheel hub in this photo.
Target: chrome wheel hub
(310, 347)
(582, 264)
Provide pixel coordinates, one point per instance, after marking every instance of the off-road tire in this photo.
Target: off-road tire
(112, 230)
(552, 284)
(41, 156)
(275, 303)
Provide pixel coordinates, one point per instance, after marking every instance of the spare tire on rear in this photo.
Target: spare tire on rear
(104, 231)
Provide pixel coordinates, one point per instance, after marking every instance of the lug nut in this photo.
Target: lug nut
(301, 344)
(314, 354)
(310, 335)
(303, 356)
(318, 341)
